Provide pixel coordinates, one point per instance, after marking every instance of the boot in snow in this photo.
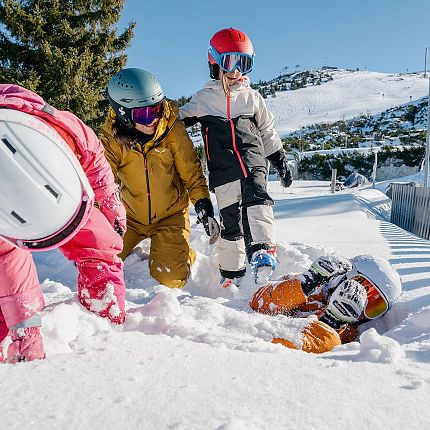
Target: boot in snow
(263, 264)
(27, 345)
(228, 282)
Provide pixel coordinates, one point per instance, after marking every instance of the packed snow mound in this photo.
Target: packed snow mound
(348, 95)
(201, 312)
(379, 349)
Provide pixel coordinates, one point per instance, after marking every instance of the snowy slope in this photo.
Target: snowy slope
(349, 94)
(201, 359)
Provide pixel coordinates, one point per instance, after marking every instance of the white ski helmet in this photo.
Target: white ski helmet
(382, 276)
(45, 195)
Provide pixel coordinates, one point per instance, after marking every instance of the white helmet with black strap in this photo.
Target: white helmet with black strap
(45, 195)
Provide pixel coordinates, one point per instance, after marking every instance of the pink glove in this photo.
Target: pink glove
(27, 345)
(114, 211)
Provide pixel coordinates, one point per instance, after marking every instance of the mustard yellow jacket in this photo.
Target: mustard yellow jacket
(159, 178)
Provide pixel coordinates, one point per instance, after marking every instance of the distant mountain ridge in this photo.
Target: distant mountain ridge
(296, 80)
(325, 96)
(333, 107)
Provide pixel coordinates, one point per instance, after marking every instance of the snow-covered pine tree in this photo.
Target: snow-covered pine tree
(65, 50)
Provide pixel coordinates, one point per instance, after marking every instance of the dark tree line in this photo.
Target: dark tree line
(66, 51)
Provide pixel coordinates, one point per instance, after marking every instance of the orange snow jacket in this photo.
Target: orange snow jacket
(287, 297)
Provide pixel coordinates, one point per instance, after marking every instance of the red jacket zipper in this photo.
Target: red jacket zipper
(207, 143)
(233, 138)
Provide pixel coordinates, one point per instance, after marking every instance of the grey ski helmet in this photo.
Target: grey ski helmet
(131, 88)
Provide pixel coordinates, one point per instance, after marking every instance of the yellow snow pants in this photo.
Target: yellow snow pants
(170, 256)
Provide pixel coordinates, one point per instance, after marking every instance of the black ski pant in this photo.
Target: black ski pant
(247, 222)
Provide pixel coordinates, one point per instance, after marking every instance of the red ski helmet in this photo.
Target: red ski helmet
(229, 40)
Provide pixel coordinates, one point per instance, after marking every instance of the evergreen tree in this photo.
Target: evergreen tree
(65, 50)
(411, 114)
(272, 91)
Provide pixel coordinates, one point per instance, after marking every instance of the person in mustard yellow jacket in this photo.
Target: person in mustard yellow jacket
(158, 172)
(342, 293)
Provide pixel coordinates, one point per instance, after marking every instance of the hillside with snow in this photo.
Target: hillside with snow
(347, 95)
(199, 358)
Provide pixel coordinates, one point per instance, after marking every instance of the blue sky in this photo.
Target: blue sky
(172, 36)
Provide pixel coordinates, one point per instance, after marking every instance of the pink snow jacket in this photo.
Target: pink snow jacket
(82, 141)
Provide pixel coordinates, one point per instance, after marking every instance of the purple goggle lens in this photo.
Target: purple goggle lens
(147, 114)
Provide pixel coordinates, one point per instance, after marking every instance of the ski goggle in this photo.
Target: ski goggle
(230, 61)
(147, 114)
(377, 304)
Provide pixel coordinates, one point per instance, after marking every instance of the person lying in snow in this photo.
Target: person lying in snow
(53, 171)
(342, 294)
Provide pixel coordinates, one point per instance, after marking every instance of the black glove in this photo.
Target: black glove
(205, 215)
(118, 228)
(190, 121)
(323, 269)
(346, 304)
(114, 211)
(279, 161)
(285, 175)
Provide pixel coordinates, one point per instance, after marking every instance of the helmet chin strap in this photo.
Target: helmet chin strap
(125, 121)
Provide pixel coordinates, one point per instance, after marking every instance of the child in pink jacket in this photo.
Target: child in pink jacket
(92, 239)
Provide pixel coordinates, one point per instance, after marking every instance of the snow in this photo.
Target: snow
(379, 349)
(200, 358)
(348, 95)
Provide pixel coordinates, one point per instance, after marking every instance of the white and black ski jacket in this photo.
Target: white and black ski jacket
(238, 130)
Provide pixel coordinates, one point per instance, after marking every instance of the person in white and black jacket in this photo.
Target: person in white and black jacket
(239, 136)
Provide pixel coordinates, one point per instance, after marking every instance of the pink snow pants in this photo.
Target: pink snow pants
(101, 287)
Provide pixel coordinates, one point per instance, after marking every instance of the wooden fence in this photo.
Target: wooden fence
(410, 209)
